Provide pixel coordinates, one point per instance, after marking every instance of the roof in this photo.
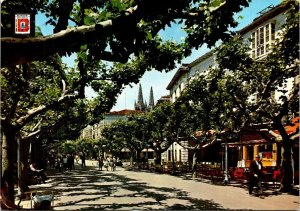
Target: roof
(163, 99)
(264, 17)
(186, 67)
(291, 128)
(182, 70)
(123, 112)
(251, 137)
(201, 58)
(249, 142)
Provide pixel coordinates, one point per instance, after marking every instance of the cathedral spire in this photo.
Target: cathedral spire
(140, 96)
(139, 105)
(151, 100)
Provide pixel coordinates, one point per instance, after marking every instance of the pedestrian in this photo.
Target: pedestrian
(58, 163)
(256, 175)
(111, 164)
(65, 162)
(83, 160)
(114, 163)
(100, 163)
(72, 158)
(106, 163)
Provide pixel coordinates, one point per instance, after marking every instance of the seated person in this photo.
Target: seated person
(38, 172)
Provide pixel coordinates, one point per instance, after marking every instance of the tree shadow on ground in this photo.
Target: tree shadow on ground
(269, 190)
(94, 185)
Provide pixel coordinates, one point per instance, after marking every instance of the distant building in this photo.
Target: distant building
(151, 100)
(165, 98)
(94, 132)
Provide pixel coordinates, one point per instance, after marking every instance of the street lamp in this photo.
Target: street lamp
(103, 150)
(147, 158)
(226, 179)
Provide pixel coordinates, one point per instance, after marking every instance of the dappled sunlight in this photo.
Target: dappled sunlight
(89, 189)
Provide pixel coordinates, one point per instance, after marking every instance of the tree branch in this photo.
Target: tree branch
(22, 50)
(43, 108)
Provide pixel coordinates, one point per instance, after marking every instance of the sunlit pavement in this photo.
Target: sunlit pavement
(91, 189)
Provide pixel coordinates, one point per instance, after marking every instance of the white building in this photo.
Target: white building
(262, 32)
(94, 131)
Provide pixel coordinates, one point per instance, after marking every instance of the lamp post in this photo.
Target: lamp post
(147, 158)
(19, 166)
(226, 179)
(103, 151)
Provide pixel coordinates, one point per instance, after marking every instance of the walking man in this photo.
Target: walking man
(255, 175)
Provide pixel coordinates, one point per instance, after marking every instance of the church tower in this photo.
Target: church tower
(139, 105)
(151, 100)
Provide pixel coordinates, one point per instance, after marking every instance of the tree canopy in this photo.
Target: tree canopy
(114, 30)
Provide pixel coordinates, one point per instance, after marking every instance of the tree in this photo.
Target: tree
(196, 125)
(138, 138)
(165, 128)
(123, 27)
(243, 88)
(111, 31)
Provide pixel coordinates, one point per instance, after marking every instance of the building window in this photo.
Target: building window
(261, 40)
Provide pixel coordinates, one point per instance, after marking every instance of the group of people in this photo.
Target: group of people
(64, 162)
(109, 162)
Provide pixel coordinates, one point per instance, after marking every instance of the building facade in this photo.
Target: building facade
(94, 131)
(260, 35)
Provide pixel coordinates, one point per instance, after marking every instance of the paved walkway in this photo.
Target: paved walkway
(91, 189)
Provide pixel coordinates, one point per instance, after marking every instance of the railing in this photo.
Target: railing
(211, 172)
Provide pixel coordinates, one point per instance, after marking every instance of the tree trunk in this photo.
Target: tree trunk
(286, 168)
(138, 157)
(131, 157)
(9, 146)
(158, 157)
(25, 179)
(194, 165)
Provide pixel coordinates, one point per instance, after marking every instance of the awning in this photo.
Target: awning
(290, 129)
(149, 150)
(212, 142)
(125, 150)
(248, 143)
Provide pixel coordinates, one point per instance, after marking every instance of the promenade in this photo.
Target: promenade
(91, 189)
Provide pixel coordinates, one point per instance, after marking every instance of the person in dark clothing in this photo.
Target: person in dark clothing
(256, 174)
(100, 163)
(38, 172)
(83, 160)
(72, 158)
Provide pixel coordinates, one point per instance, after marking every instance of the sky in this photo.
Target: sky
(159, 80)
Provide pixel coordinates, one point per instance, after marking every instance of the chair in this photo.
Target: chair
(42, 200)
